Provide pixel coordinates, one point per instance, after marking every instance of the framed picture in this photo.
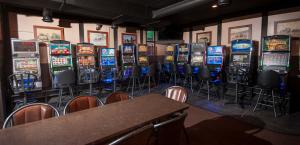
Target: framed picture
(46, 34)
(203, 36)
(288, 27)
(240, 32)
(98, 38)
(128, 38)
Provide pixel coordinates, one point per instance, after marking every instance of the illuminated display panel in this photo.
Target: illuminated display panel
(278, 59)
(214, 60)
(276, 43)
(241, 46)
(214, 50)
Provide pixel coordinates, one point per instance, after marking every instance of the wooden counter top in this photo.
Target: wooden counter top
(97, 124)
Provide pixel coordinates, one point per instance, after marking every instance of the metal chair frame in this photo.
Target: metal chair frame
(99, 103)
(181, 88)
(25, 106)
(131, 134)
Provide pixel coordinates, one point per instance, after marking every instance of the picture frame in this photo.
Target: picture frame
(129, 38)
(204, 36)
(287, 27)
(47, 34)
(98, 38)
(239, 32)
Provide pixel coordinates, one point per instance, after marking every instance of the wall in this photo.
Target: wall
(123, 30)
(256, 28)
(280, 17)
(105, 28)
(212, 29)
(25, 28)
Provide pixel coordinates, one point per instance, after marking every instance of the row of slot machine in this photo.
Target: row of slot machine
(243, 58)
(89, 59)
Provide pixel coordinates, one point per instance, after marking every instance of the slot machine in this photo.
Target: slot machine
(243, 62)
(128, 59)
(26, 58)
(169, 59)
(108, 66)
(276, 56)
(276, 53)
(183, 53)
(143, 59)
(86, 62)
(214, 61)
(60, 57)
(198, 56)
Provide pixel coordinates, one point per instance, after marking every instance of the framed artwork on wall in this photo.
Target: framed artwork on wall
(98, 38)
(288, 27)
(239, 32)
(46, 34)
(129, 38)
(203, 36)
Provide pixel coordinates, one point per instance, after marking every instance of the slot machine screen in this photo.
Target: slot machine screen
(215, 50)
(278, 59)
(214, 60)
(241, 45)
(278, 43)
(108, 52)
(108, 61)
(22, 46)
(240, 58)
(128, 49)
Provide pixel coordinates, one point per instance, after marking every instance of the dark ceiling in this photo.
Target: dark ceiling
(140, 12)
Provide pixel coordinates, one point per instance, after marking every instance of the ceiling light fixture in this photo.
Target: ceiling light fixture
(214, 6)
(47, 15)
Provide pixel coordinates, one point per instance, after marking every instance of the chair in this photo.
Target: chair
(150, 75)
(22, 84)
(173, 73)
(134, 80)
(30, 113)
(204, 77)
(64, 79)
(140, 136)
(81, 103)
(90, 76)
(188, 76)
(116, 97)
(169, 132)
(267, 81)
(177, 93)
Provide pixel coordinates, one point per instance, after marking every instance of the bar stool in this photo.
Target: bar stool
(150, 76)
(173, 74)
(177, 93)
(170, 131)
(160, 72)
(140, 136)
(204, 77)
(30, 113)
(22, 84)
(134, 80)
(116, 97)
(91, 76)
(81, 103)
(188, 76)
(62, 80)
(267, 81)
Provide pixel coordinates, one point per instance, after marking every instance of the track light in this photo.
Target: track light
(47, 15)
(224, 2)
(214, 6)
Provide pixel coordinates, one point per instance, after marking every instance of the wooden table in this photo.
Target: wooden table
(96, 124)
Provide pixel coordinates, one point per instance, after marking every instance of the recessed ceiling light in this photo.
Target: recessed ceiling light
(214, 6)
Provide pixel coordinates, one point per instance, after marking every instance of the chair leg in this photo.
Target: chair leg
(71, 92)
(200, 86)
(236, 92)
(175, 79)
(60, 97)
(274, 104)
(133, 86)
(208, 90)
(149, 83)
(191, 83)
(91, 89)
(259, 96)
(129, 84)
